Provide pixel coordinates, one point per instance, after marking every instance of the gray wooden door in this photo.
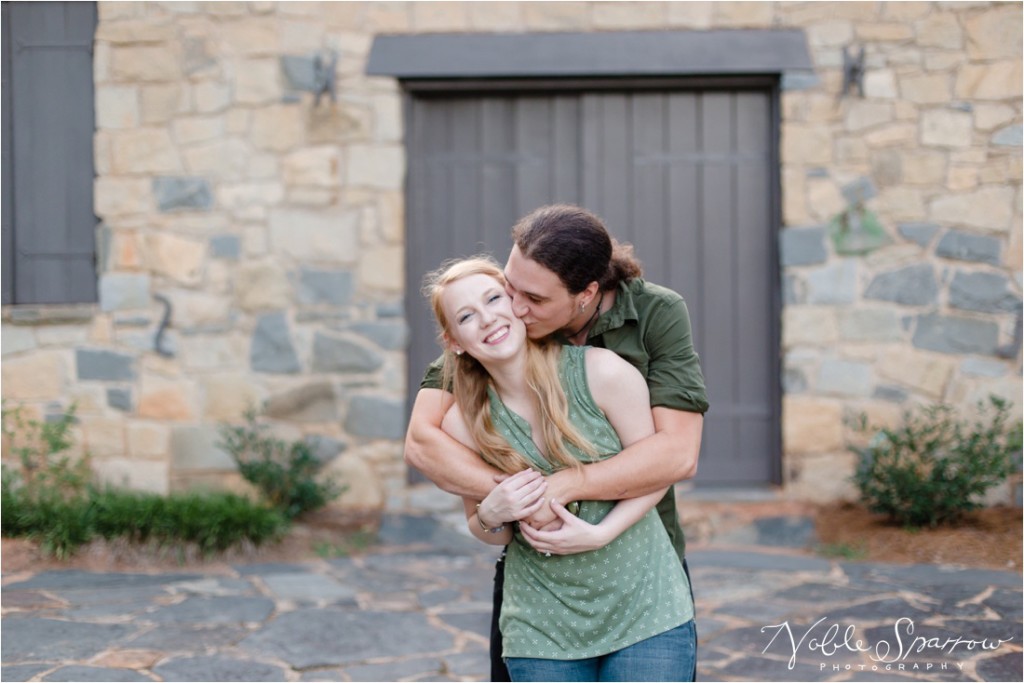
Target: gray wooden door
(48, 123)
(687, 176)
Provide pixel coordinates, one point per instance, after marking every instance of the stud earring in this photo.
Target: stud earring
(458, 353)
(583, 307)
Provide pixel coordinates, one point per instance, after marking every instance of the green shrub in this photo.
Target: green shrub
(211, 521)
(935, 466)
(286, 474)
(48, 497)
(43, 468)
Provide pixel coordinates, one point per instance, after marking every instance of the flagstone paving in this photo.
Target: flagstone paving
(417, 608)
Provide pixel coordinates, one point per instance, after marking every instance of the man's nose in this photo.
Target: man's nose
(519, 307)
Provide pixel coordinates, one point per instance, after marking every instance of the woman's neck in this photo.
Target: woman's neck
(509, 375)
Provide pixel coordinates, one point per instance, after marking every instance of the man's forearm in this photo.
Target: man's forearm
(450, 465)
(660, 460)
(446, 462)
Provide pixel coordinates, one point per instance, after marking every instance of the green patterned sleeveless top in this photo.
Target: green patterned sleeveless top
(594, 603)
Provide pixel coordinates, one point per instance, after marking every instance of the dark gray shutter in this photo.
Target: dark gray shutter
(687, 176)
(48, 219)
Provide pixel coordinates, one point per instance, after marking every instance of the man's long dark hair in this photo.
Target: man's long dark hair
(574, 244)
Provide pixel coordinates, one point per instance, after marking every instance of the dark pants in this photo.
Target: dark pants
(499, 672)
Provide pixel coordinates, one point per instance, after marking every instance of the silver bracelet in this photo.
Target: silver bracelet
(490, 530)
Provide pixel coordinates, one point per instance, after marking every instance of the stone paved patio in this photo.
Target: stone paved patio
(417, 608)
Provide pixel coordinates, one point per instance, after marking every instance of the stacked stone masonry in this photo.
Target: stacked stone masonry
(272, 227)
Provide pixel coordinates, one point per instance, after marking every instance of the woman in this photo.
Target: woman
(622, 609)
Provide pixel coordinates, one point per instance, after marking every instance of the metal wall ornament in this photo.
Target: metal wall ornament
(857, 231)
(853, 71)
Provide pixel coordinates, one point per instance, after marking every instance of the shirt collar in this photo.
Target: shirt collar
(622, 310)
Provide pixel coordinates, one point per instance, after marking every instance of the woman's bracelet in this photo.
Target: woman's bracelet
(480, 520)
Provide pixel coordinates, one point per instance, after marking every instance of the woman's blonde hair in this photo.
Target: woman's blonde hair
(470, 381)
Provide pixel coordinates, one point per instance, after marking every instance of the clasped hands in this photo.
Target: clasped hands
(543, 520)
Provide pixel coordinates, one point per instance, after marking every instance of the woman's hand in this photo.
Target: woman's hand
(514, 498)
(572, 536)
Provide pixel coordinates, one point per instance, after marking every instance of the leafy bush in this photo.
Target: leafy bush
(211, 521)
(49, 497)
(935, 466)
(44, 469)
(286, 474)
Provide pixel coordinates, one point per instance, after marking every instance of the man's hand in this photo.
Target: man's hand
(562, 485)
(572, 534)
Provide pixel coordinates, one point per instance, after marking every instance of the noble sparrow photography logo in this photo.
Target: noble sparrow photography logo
(888, 653)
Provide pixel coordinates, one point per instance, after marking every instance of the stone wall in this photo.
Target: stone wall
(272, 226)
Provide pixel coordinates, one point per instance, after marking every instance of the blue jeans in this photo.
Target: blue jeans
(669, 656)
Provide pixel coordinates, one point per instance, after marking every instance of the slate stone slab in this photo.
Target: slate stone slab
(802, 246)
(119, 399)
(474, 622)
(443, 596)
(300, 72)
(94, 673)
(226, 247)
(835, 283)
(325, 287)
(334, 354)
(1009, 136)
(402, 530)
(308, 588)
(215, 610)
(823, 593)
(187, 638)
(392, 336)
(948, 334)
(30, 638)
(889, 610)
(120, 291)
(922, 233)
(218, 668)
(964, 246)
(107, 609)
(182, 193)
(23, 672)
(928, 577)
(760, 561)
(331, 675)
(983, 292)
(376, 416)
(74, 579)
(472, 664)
(104, 366)
(313, 402)
(910, 286)
(272, 350)
(1005, 667)
(325, 637)
(423, 669)
(270, 568)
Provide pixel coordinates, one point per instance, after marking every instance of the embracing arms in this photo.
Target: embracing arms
(448, 463)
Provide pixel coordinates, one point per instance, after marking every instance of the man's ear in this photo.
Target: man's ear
(591, 292)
